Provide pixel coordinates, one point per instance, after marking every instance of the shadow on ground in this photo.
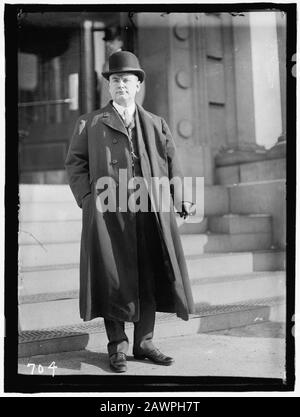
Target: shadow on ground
(66, 360)
(77, 361)
(266, 330)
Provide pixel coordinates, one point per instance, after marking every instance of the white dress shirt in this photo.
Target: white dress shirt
(120, 109)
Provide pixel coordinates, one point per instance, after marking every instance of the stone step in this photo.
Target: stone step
(50, 310)
(42, 254)
(269, 169)
(272, 260)
(237, 288)
(42, 193)
(49, 279)
(215, 243)
(86, 335)
(70, 231)
(65, 277)
(56, 278)
(237, 224)
(35, 232)
(260, 198)
(201, 294)
(192, 225)
(49, 211)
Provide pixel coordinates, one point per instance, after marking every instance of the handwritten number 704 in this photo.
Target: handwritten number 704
(40, 368)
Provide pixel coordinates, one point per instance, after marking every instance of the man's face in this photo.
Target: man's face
(123, 88)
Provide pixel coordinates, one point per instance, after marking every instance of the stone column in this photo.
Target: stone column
(88, 80)
(246, 149)
(265, 64)
(243, 79)
(168, 53)
(279, 149)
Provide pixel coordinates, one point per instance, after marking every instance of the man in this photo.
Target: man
(131, 263)
(114, 43)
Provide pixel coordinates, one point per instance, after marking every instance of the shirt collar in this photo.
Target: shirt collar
(120, 109)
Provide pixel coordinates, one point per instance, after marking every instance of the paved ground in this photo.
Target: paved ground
(251, 351)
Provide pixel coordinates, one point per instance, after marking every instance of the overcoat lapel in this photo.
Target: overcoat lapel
(145, 130)
(111, 118)
(144, 159)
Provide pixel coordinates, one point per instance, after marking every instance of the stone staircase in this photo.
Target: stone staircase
(234, 256)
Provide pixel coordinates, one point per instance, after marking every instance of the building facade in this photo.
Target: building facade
(219, 81)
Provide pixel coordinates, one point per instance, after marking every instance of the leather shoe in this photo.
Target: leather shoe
(155, 356)
(117, 362)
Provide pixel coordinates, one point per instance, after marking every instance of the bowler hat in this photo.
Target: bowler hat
(124, 61)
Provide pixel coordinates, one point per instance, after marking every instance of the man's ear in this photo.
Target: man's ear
(138, 86)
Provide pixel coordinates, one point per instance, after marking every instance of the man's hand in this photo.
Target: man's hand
(187, 209)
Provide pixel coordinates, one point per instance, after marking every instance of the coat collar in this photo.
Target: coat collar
(111, 118)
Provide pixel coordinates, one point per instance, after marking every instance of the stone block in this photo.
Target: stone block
(262, 197)
(227, 175)
(272, 169)
(236, 224)
(216, 200)
(215, 243)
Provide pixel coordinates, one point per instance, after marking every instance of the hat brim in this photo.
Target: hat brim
(138, 72)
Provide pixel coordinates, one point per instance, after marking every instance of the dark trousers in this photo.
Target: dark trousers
(148, 257)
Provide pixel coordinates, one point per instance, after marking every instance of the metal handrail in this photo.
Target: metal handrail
(44, 103)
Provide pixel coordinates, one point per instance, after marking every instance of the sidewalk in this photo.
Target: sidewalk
(251, 351)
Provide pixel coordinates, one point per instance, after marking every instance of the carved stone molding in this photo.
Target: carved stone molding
(183, 79)
(181, 31)
(185, 128)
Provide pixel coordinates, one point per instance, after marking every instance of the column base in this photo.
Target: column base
(240, 153)
(279, 149)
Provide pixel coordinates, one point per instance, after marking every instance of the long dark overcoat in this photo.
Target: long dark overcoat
(108, 258)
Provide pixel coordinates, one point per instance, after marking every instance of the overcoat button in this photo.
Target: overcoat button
(114, 161)
(115, 140)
